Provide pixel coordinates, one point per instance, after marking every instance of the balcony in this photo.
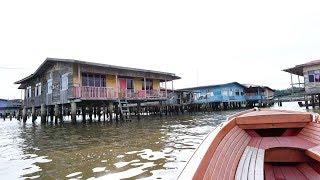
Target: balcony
(106, 93)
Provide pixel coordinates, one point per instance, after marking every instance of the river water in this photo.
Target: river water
(152, 148)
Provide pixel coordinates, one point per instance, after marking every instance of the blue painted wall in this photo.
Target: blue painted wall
(231, 92)
(3, 103)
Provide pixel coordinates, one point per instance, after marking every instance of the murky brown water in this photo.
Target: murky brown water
(152, 148)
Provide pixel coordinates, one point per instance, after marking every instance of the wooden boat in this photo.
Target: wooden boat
(259, 144)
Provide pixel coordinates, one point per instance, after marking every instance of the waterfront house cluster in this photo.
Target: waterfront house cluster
(233, 92)
(66, 86)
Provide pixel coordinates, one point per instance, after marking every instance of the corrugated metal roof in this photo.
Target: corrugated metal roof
(50, 60)
(298, 69)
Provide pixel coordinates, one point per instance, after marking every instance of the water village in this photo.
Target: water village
(85, 90)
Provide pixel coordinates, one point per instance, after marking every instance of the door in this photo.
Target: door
(123, 87)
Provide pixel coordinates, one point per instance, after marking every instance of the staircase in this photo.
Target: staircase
(124, 109)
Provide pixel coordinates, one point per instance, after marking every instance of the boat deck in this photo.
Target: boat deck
(242, 152)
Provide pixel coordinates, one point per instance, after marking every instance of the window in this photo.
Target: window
(85, 79)
(209, 94)
(225, 92)
(49, 86)
(238, 92)
(149, 84)
(90, 80)
(196, 96)
(314, 76)
(64, 81)
(95, 80)
(130, 84)
(37, 90)
(28, 92)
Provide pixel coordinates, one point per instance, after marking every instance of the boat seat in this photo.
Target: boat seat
(223, 164)
(301, 171)
(314, 153)
(285, 141)
(279, 119)
(311, 133)
(251, 162)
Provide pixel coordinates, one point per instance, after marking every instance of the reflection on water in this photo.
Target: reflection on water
(152, 148)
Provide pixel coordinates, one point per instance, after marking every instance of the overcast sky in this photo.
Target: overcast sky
(204, 42)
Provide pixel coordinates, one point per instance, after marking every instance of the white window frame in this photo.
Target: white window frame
(64, 82)
(37, 89)
(29, 92)
(49, 87)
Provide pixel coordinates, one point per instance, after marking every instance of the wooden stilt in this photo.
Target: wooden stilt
(56, 113)
(73, 112)
(33, 113)
(83, 111)
(43, 113)
(90, 114)
(24, 114)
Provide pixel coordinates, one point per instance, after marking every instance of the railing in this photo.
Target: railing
(88, 92)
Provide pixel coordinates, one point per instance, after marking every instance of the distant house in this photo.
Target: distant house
(229, 92)
(9, 106)
(310, 73)
(232, 92)
(258, 94)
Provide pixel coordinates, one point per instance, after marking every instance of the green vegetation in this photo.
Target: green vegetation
(288, 92)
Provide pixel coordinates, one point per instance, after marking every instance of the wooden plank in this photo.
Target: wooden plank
(287, 172)
(284, 154)
(259, 169)
(291, 132)
(314, 153)
(237, 162)
(252, 133)
(313, 134)
(306, 137)
(218, 171)
(268, 171)
(295, 142)
(221, 133)
(245, 168)
(269, 142)
(308, 171)
(242, 163)
(259, 117)
(252, 164)
(220, 150)
(230, 156)
(269, 125)
(278, 173)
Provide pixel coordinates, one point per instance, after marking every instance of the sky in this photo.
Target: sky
(203, 42)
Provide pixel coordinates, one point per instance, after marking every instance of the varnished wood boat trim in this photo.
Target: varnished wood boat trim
(270, 125)
(196, 166)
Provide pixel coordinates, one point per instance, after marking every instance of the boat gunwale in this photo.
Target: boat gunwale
(190, 170)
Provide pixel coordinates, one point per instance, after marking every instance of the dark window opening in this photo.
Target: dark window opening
(94, 80)
(129, 84)
(149, 84)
